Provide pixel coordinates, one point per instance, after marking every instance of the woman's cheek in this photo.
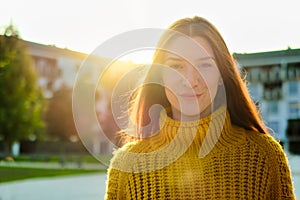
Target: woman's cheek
(171, 82)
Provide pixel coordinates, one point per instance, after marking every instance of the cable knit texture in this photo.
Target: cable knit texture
(205, 159)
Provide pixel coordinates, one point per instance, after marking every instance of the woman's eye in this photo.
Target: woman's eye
(176, 66)
(205, 65)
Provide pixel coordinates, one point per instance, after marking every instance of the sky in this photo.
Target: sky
(247, 25)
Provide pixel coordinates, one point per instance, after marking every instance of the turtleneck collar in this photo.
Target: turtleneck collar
(205, 134)
(210, 134)
(165, 120)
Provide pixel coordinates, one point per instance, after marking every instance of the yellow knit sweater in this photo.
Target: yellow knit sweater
(205, 159)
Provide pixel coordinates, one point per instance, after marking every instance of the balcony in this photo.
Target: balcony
(272, 91)
(273, 94)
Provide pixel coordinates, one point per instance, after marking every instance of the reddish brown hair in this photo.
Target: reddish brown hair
(242, 110)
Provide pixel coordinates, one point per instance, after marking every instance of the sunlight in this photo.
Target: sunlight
(143, 56)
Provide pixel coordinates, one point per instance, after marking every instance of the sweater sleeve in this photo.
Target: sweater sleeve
(281, 184)
(116, 184)
(118, 174)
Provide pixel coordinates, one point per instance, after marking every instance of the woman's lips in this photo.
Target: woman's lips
(190, 95)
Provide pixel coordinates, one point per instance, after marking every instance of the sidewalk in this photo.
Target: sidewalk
(81, 187)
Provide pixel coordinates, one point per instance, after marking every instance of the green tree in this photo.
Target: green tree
(21, 101)
(59, 117)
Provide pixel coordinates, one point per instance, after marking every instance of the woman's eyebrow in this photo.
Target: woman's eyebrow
(178, 59)
(170, 58)
(206, 58)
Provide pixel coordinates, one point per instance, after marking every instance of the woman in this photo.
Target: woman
(206, 139)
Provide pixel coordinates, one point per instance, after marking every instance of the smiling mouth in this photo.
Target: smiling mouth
(190, 96)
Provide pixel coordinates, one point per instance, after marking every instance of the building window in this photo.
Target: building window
(293, 70)
(272, 107)
(274, 73)
(294, 109)
(253, 74)
(293, 133)
(293, 88)
(46, 67)
(273, 91)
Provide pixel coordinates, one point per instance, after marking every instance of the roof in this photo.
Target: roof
(284, 53)
(268, 58)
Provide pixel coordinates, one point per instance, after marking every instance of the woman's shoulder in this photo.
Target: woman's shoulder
(132, 148)
(136, 156)
(129, 147)
(122, 156)
(266, 143)
(262, 139)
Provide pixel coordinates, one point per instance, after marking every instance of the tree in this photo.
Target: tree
(59, 118)
(21, 100)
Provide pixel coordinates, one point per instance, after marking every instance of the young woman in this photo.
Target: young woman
(200, 136)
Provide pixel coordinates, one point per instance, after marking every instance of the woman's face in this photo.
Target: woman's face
(191, 78)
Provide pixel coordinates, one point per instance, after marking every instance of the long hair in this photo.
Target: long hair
(242, 110)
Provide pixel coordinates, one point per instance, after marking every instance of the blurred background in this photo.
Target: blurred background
(43, 45)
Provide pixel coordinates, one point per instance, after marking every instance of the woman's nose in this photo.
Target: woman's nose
(192, 77)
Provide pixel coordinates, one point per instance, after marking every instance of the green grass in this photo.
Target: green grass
(12, 173)
(58, 158)
(8, 174)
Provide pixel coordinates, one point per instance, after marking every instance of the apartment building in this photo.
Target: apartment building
(274, 83)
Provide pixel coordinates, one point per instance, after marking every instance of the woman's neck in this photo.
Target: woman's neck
(179, 116)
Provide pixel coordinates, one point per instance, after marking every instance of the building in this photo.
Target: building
(57, 68)
(274, 83)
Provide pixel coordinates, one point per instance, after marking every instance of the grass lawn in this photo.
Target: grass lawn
(58, 158)
(18, 173)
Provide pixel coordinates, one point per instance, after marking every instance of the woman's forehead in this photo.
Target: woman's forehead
(190, 49)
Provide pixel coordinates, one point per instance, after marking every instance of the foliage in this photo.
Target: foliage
(59, 118)
(21, 102)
